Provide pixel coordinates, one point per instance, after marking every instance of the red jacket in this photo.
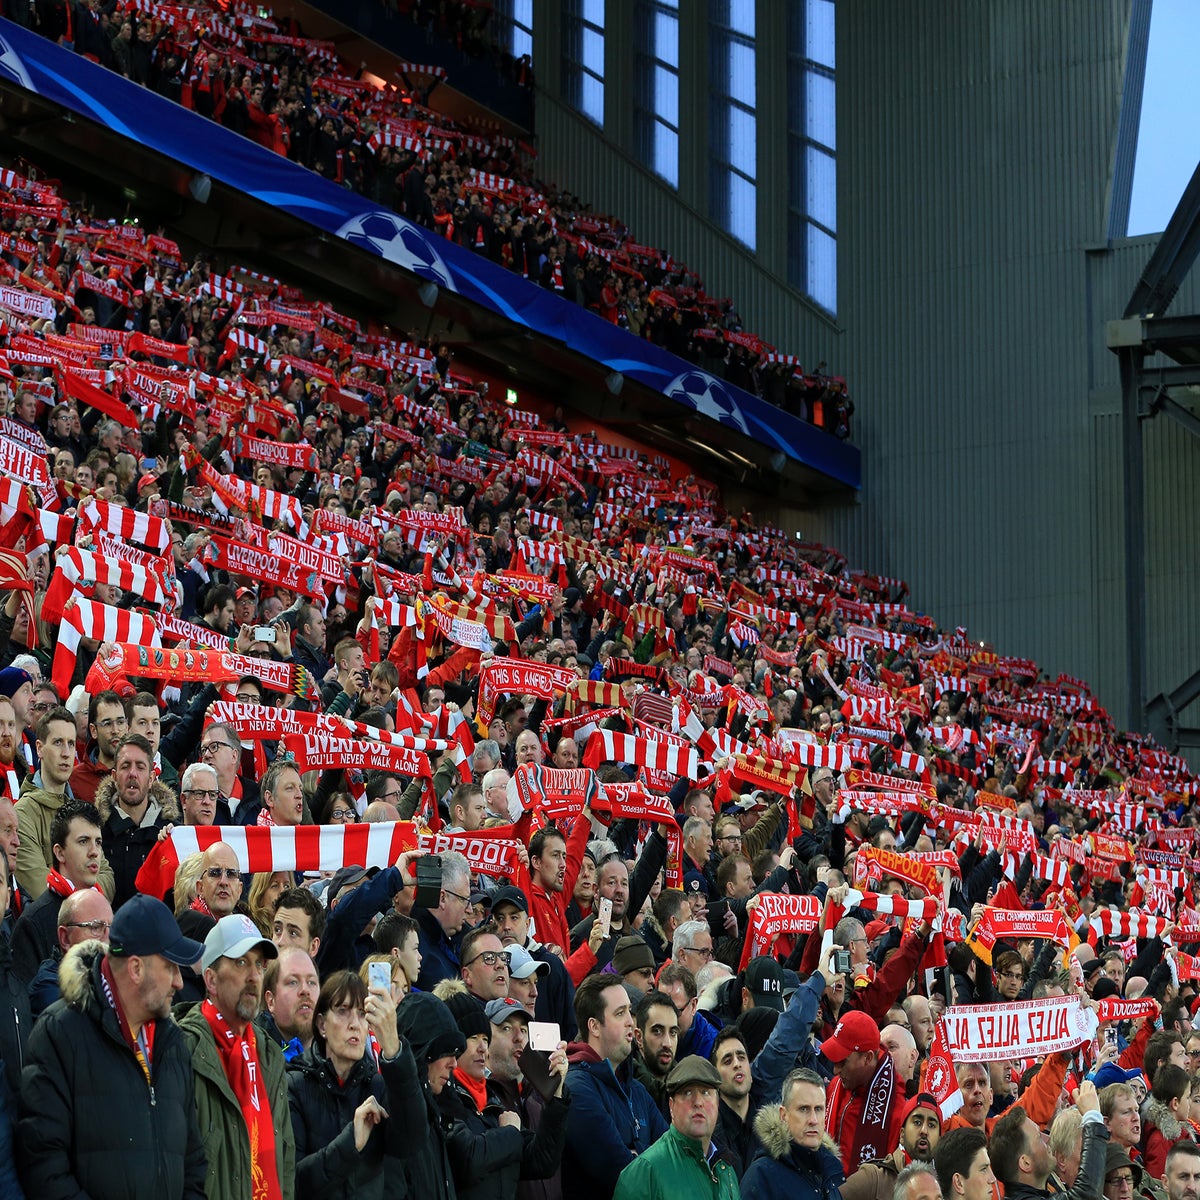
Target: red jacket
(549, 909)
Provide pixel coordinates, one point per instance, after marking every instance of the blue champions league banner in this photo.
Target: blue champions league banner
(109, 99)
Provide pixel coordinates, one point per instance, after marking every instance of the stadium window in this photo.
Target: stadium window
(656, 103)
(733, 129)
(583, 57)
(516, 27)
(812, 152)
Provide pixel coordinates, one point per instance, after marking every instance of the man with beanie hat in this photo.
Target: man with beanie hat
(633, 962)
(919, 1135)
(106, 1103)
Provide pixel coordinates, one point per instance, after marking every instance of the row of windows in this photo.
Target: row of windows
(732, 113)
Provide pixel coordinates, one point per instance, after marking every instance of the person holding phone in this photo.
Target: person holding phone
(348, 1109)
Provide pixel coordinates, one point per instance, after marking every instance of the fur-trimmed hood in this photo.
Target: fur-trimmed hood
(773, 1133)
(167, 801)
(75, 974)
(1161, 1117)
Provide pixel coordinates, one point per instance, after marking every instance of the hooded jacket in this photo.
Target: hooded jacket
(1160, 1131)
(612, 1120)
(328, 1165)
(126, 845)
(35, 811)
(90, 1123)
(786, 1171)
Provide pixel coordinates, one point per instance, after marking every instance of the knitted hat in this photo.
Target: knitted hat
(468, 1015)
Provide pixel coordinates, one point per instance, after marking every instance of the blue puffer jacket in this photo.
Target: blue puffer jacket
(786, 1171)
(611, 1120)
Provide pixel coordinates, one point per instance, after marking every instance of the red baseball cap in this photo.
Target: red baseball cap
(855, 1031)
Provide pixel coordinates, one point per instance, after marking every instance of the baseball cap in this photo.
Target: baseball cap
(522, 964)
(243, 592)
(231, 937)
(145, 925)
(345, 877)
(854, 1032)
(921, 1100)
(763, 979)
(692, 1069)
(146, 481)
(510, 895)
(498, 1011)
(479, 896)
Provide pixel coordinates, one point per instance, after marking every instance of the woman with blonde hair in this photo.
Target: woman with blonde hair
(265, 888)
(187, 876)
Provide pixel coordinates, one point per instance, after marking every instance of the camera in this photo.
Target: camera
(841, 962)
(429, 881)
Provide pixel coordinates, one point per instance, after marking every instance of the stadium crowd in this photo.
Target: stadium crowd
(405, 796)
(262, 78)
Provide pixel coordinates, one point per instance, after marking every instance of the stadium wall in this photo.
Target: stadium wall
(976, 143)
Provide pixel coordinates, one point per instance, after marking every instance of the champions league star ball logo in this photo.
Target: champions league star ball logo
(708, 396)
(12, 68)
(399, 242)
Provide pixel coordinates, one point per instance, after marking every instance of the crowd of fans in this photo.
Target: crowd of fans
(405, 796)
(263, 79)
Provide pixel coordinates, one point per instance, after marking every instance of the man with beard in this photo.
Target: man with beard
(919, 1136)
(240, 1075)
(133, 807)
(17, 687)
(117, 1014)
(657, 1037)
(290, 990)
(12, 765)
(107, 725)
(1021, 1158)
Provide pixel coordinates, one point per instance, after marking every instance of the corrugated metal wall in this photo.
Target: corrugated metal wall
(976, 139)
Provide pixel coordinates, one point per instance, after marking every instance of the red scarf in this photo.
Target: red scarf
(476, 1088)
(868, 1134)
(201, 905)
(239, 1057)
(60, 885)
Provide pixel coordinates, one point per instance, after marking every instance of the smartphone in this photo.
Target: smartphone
(264, 633)
(544, 1035)
(380, 976)
(604, 915)
(1110, 1035)
(841, 962)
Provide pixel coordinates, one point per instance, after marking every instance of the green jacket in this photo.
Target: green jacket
(222, 1127)
(35, 812)
(675, 1166)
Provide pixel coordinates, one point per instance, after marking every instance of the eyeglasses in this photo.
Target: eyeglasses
(343, 814)
(1119, 1181)
(730, 837)
(203, 793)
(1018, 976)
(210, 748)
(223, 873)
(392, 795)
(464, 899)
(112, 723)
(490, 958)
(90, 926)
(248, 698)
(704, 954)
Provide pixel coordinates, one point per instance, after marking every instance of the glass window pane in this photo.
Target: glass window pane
(742, 141)
(821, 190)
(822, 268)
(666, 153)
(741, 73)
(742, 200)
(522, 43)
(593, 11)
(592, 98)
(820, 42)
(666, 95)
(522, 11)
(820, 109)
(666, 38)
(592, 51)
(741, 16)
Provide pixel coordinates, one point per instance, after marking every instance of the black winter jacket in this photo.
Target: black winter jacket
(16, 1020)
(90, 1124)
(537, 1156)
(328, 1166)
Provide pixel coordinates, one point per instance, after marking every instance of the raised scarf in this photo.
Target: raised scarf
(239, 1058)
(871, 1137)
